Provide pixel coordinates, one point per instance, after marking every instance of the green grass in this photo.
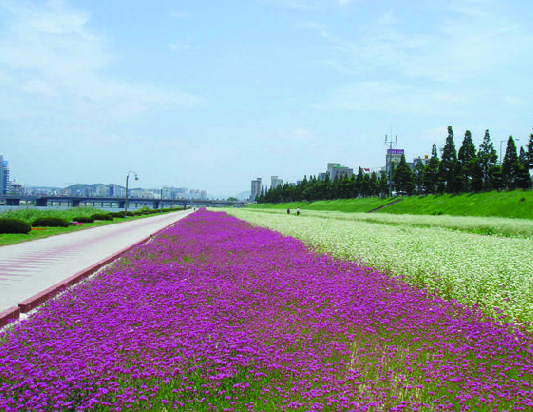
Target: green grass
(29, 215)
(515, 204)
(340, 205)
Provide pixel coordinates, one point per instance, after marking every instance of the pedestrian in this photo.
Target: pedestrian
(288, 211)
(298, 212)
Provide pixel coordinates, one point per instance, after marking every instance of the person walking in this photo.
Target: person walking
(288, 211)
(298, 212)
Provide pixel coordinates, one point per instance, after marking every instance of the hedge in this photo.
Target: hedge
(50, 222)
(117, 214)
(83, 219)
(14, 226)
(102, 216)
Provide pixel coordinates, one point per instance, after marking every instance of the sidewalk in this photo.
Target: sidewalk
(26, 269)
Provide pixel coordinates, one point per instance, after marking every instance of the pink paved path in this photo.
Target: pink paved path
(29, 268)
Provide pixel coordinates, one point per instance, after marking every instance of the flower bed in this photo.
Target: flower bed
(493, 272)
(217, 315)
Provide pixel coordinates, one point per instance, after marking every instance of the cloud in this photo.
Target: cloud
(50, 49)
(180, 45)
(391, 98)
(454, 42)
(308, 4)
(514, 100)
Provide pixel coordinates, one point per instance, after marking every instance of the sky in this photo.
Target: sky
(212, 94)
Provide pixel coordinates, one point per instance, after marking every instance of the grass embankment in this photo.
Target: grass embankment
(339, 205)
(515, 204)
(29, 215)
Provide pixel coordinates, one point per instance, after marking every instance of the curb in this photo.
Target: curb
(13, 313)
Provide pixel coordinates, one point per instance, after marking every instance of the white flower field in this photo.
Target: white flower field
(439, 253)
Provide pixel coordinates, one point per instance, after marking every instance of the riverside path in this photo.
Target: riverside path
(26, 269)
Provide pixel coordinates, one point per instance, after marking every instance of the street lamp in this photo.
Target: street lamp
(127, 181)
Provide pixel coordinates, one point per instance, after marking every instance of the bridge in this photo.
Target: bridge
(97, 201)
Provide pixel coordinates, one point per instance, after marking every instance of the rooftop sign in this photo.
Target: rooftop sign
(395, 151)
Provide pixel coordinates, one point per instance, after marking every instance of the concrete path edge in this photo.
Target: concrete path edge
(13, 313)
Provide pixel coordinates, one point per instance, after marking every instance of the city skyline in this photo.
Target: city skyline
(212, 94)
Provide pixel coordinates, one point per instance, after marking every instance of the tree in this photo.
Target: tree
(383, 186)
(345, 187)
(447, 167)
(431, 172)
(477, 176)
(419, 176)
(530, 151)
(487, 157)
(353, 187)
(523, 158)
(365, 189)
(465, 158)
(374, 185)
(359, 182)
(509, 165)
(496, 176)
(404, 178)
(523, 180)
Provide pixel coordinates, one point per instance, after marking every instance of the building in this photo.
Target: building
(336, 170)
(101, 190)
(4, 176)
(424, 160)
(393, 157)
(256, 188)
(275, 182)
(117, 191)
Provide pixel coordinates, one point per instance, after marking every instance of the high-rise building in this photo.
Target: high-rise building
(256, 188)
(117, 191)
(4, 176)
(393, 156)
(336, 170)
(275, 182)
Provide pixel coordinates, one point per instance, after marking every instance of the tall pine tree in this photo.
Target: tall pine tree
(487, 157)
(466, 158)
(404, 179)
(530, 151)
(431, 172)
(510, 165)
(448, 163)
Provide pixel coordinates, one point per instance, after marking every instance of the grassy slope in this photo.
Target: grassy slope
(503, 204)
(341, 205)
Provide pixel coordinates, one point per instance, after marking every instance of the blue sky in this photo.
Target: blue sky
(212, 94)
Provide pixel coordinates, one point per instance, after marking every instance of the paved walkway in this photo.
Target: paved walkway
(29, 268)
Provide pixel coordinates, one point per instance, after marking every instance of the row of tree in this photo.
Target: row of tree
(463, 171)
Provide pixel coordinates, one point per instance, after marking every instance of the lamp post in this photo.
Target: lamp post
(127, 181)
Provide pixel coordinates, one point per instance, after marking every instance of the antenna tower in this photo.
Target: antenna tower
(390, 141)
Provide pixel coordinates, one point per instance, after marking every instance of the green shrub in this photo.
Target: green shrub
(101, 216)
(116, 214)
(50, 222)
(83, 219)
(14, 226)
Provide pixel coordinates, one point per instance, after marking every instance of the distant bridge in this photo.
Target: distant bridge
(97, 201)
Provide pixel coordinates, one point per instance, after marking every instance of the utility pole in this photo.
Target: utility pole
(391, 142)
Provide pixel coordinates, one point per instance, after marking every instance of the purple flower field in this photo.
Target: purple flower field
(217, 315)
